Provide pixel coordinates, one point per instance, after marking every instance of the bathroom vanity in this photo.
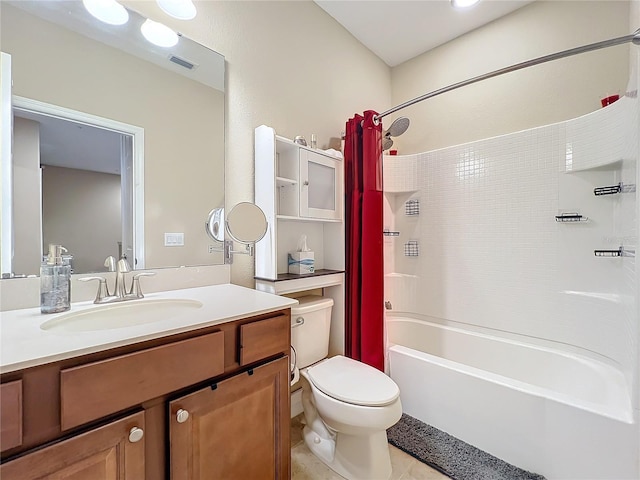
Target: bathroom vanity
(199, 395)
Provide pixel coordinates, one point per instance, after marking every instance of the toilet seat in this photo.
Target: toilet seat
(353, 382)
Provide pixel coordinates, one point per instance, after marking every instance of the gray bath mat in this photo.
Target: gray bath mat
(451, 456)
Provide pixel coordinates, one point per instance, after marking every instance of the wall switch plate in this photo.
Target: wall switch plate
(174, 239)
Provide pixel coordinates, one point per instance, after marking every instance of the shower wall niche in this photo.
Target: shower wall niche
(496, 248)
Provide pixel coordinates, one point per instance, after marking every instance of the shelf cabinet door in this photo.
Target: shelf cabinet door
(235, 429)
(320, 186)
(110, 452)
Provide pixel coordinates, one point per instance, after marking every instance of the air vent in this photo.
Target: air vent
(182, 62)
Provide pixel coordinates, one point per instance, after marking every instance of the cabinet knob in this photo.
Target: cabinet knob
(182, 416)
(306, 183)
(136, 434)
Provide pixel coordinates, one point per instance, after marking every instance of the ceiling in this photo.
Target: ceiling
(68, 144)
(395, 30)
(398, 30)
(72, 15)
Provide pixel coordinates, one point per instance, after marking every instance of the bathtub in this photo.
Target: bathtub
(563, 415)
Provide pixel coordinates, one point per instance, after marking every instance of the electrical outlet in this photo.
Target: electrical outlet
(174, 239)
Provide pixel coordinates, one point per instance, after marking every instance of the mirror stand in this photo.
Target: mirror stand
(229, 251)
(246, 223)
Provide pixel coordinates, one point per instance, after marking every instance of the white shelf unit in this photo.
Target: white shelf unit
(282, 192)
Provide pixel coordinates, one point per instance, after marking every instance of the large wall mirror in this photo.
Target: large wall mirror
(117, 144)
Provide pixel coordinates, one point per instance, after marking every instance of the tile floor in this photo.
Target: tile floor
(305, 465)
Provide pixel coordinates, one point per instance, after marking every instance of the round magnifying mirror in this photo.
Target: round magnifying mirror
(246, 223)
(214, 224)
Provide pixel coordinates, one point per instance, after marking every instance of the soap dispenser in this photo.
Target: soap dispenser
(55, 282)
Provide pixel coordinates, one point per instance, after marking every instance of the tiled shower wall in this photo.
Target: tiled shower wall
(493, 256)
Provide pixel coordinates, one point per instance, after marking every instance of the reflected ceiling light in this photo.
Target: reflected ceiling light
(181, 9)
(159, 34)
(107, 11)
(463, 3)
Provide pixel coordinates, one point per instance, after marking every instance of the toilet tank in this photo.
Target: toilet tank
(310, 323)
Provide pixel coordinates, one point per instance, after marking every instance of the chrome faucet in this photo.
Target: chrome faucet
(122, 267)
(120, 293)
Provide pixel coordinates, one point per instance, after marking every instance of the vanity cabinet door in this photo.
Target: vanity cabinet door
(10, 415)
(235, 429)
(112, 452)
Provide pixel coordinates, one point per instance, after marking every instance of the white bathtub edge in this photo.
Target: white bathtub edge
(626, 416)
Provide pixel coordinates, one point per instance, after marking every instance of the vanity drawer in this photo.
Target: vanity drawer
(264, 338)
(10, 415)
(94, 390)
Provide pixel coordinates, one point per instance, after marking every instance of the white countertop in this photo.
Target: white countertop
(24, 344)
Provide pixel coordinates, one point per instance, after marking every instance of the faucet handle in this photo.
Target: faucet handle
(110, 263)
(135, 284)
(103, 289)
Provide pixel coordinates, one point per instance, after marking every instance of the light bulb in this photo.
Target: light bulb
(180, 9)
(463, 3)
(159, 34)
(107, 11)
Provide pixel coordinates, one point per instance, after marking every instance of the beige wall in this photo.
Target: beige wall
(289, 66)
(182, 119)
(634, 24)
(89, 229)
(26, 197)
(292, 67)
(535, 96)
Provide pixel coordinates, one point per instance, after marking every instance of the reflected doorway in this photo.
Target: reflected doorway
(83, 170)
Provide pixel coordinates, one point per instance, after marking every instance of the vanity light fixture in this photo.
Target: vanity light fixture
(180, 9)
(107, 11)
(159, 34)
(463, 3)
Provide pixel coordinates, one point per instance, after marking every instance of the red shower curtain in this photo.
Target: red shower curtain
(364, 327)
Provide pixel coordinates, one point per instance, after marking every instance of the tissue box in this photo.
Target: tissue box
(300, 262)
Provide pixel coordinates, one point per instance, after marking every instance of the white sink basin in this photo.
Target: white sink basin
(122, 314)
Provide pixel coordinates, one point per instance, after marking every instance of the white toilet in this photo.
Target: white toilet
(347, 405)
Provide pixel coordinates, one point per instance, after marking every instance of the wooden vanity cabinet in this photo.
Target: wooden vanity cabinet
(234, 429)
(135, 377)
(82, 418)
(115, 451)
(11, 414)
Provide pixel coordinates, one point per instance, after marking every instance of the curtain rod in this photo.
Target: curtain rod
(634, 38)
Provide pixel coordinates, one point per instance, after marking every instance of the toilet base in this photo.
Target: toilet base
(355, 457)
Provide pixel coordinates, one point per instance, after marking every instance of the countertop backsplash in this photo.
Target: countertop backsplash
(18, 293)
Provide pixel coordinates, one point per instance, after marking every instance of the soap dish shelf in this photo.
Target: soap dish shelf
(620, 252)
(614, 189)
(571, 218)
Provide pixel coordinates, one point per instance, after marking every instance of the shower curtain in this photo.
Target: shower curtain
(364, 314)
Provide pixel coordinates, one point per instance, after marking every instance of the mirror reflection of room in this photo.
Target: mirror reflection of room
(72, 161)
(158, 143)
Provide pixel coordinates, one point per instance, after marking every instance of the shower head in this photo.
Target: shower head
(397, 128)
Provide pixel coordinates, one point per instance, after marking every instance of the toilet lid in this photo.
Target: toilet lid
(353, 382)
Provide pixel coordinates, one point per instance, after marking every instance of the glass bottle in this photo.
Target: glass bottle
(55, 282)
